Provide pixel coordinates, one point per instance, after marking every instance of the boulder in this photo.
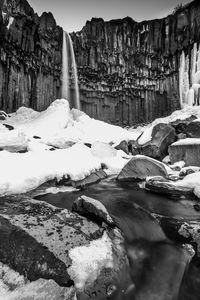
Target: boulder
(43, 235)
(87, 206)
(134, 147)
(187, 150)
(140, 167)
(191, 231)
(188, 170)
(164, 186)
(193, 129)
(162, 136)
(123, 146)
(53, 246)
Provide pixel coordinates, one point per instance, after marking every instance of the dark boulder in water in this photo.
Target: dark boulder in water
(90, 207)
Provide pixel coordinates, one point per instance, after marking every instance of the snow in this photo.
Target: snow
(67, 130)
(191, 181)
(178, 165)
(88, 261)
(187, 141)
(13, 140)
(23, 172)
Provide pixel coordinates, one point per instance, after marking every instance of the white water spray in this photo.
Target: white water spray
(69, 63)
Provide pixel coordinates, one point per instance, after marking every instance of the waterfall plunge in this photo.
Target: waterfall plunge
(69, 63)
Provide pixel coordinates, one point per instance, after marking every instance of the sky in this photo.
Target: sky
(73, 14)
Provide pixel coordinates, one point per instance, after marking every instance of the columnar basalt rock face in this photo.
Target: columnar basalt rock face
(129, 71)
(30, 57)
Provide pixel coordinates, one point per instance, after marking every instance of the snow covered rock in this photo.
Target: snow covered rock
(40, 241)
(90, 207)
(140, 167)
(13, 141)
(191, 231)
(92, 178)
(13, 286)
(162, 136)
(188, 170)
(162, 185)
(187, 150)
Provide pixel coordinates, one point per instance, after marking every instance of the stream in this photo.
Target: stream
(159, 267)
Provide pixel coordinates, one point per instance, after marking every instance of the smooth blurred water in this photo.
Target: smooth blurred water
(157, 264)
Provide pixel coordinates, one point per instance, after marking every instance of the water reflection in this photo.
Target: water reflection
(157, 264)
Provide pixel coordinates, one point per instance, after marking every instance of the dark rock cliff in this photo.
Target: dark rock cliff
(128, 71)
(30, 57)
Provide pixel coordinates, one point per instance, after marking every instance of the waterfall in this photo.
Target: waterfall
(65, 69)
(69, 64)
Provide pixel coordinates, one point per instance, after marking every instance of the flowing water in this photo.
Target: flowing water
(69, 73)
(158, 266)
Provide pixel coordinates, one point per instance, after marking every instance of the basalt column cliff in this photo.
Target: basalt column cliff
(30, 57)
(129, 71)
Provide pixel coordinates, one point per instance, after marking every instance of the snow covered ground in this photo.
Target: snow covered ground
(63, 128)
(65, 132)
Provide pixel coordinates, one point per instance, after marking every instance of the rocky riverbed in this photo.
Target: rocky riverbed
(85, 249)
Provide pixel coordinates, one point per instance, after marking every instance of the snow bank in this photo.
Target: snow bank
(188, 141)
(57, 125)
(88, 261)
(23, 172)
(43, 124)
(13, 140)
(191, 181)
